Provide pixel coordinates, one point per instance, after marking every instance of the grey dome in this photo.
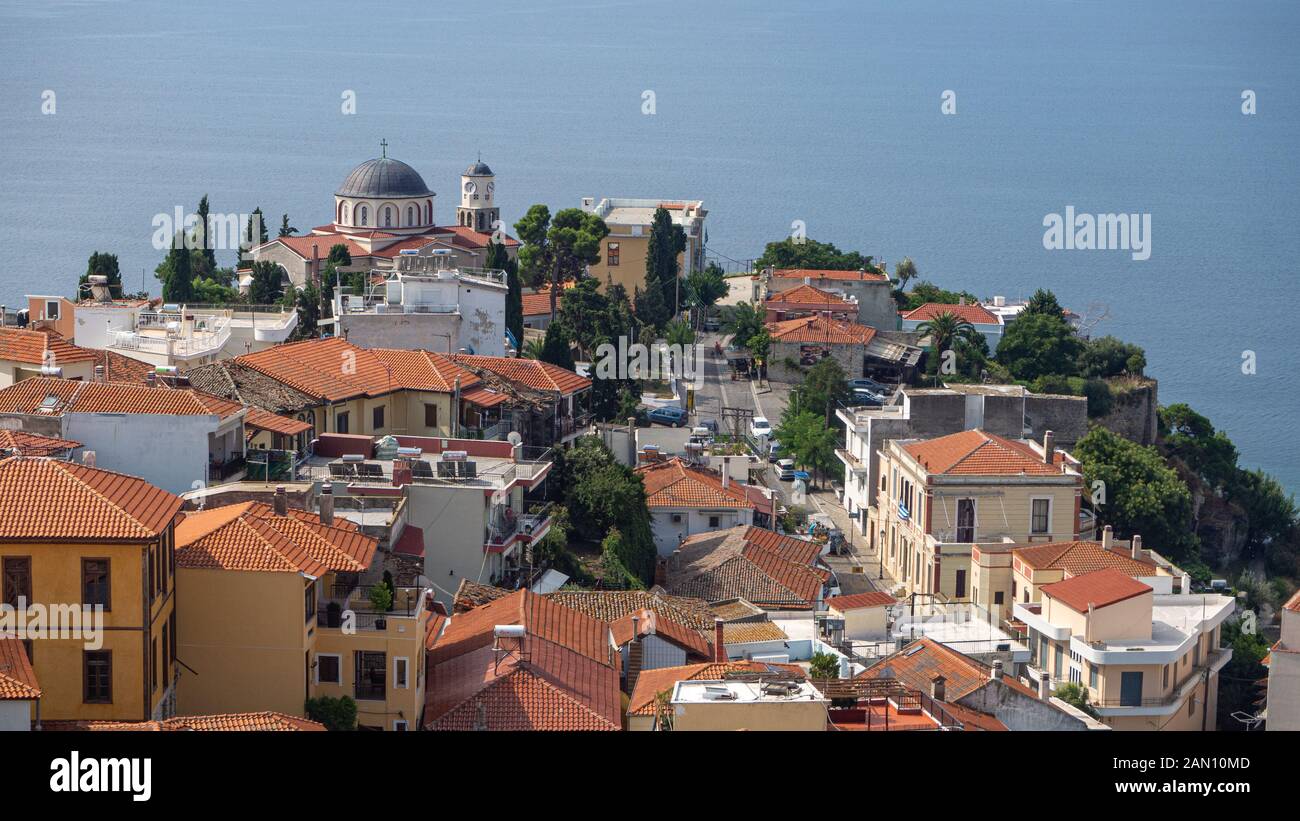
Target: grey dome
(383, 177)
(478, 169)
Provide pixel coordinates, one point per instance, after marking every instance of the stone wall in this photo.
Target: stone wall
(1133, 414)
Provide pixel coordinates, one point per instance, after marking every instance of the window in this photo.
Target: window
(310, 601)
(1059, 664)
(966, 520)
(399, 726)
(1042, 651)
(677, 518)
(1013, 589)
(153, 573)
(1191, 705)
(388, 218)
(341, 422)
(713, 521)
(431, 416)
(997, 597)
(377, 418)
(17, 579)
(428, 212)
(95, 586)
(51, 309)
(328, 669)
(1040, 519)
(364, 215)
(611, 255)
(1092, 677)
(97, 676)
(368, 680)
(410, 216)
(960, 592)
(400, 666)
(1130, 689)
(153, 665)
(166, 654)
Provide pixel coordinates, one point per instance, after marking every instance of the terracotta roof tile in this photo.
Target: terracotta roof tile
(856, 601)
(612, 605)
(1101, 588)
(471, 594)
(538, 375)
(976, 453)
(17, 679)
(822, 273)
(744, 562)
(822, 330)
(227, 722)
(650, 623)
(50, 500)
(975, 314)
(48, 395)
(22, 443)
(813, 298)
(250, 537)
(541, 617)
(39, 348)
(1077, 558)
(742, 632)
(673, 483)
(920, 661)
(1293, 604)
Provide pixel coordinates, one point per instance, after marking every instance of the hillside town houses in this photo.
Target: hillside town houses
(377, 502)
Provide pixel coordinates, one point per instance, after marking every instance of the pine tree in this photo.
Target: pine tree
(667, 241)
(499, 259)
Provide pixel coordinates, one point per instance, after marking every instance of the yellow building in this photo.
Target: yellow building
(623, 252)
(74, 539)
(942, 499)
(1147, 661)
(276, 612)
(28, 353)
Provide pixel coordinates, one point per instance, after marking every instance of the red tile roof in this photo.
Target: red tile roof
(1077, 558)
(565, 677)
(650, 623)
(822, 273)
(920, 661)
(821, 330)
(1293, 604)
(39, 348)
(274, 422)
(227, 722)
(21, 443)
(856, 601)
(673, 483)
(813, 298)
(48, 395)
(17, 679)
(975, 314)
(742, 563)
(612, 605)
(976, 453)
(49, 500)
(1101, 588)
(334, 369)
(652, 682)
(250, 537)
(542, 376)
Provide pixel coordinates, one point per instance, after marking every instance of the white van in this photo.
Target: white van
(785, 469)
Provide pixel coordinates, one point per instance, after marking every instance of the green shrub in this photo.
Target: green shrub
(337, 714)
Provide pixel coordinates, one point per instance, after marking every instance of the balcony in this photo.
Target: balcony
(364, 618)
(523, 528)
(850, 461)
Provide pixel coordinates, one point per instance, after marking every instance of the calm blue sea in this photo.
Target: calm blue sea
(770, 112)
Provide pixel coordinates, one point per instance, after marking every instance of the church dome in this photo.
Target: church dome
(478, 169)
(383, 177)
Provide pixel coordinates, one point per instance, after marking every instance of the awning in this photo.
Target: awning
(265, 420)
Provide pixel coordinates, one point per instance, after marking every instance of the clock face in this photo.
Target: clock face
(492, 187)
(470, 187)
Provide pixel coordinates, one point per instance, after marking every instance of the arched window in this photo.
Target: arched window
(480, 220)
(388, 218)
(343, 213)
(365, 215)
(428, 212)
(339, 217)
(410, 216)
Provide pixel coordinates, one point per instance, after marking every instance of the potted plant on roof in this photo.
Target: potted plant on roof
(381, 598)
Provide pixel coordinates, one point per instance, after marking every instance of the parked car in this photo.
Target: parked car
(672, 417)
(759, 426)
(773, 450)
(862, 396)
(712, 324)
(711, 424)
(785, 469)
(872, 385)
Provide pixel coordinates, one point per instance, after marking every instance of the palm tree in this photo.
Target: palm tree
(533, 348)
(946, 328)
(742, 321)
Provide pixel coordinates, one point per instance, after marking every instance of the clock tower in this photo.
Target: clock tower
(478, 208)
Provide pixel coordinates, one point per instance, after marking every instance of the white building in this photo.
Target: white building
(687, 500)
(1284, 672)
(988, 324)
(427, 303)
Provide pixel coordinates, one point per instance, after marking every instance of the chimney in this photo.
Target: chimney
(99, 373)
(995, 670)
(1045, 686)
(281, 505)
(719, 646)
(846, 668)
(1107, 537)
(1186, 582)
(1137, 546)
(961, 300)
(1049, 447)
(937, 688)
(726, 472)
(327, 504)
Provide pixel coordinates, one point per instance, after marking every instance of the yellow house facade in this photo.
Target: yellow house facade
(277, 612)
(941, 501)
(91, 554)
(623, 251)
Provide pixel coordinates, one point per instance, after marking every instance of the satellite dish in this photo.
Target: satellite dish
(514, 438)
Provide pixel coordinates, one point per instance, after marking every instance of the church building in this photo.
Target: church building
(384, 208)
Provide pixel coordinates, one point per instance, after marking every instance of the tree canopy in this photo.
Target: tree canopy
(794, 252)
